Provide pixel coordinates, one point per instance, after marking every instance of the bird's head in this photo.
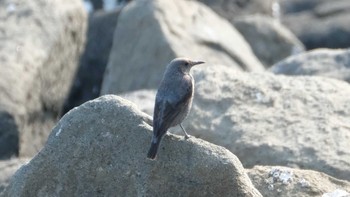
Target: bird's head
(183, 64)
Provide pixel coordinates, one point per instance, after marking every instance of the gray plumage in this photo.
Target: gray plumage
(173, 100)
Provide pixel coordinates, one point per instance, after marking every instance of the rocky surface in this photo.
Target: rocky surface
(264, 119)
(289, 182)
(102, 146)
(318, 23)
(92, 64)
(40, 45)
(274, 120)
(319, 62)
(235, 8)
(271, 120)
(8, 168)
(270, 40)
(144, 99)
(205, 36)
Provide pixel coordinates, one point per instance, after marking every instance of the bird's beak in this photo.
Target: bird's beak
(197, 62)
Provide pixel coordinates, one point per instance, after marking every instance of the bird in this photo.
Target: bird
(173, 100)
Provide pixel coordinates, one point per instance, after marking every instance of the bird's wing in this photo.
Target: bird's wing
(166, 111)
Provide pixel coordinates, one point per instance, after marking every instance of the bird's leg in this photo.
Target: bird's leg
(186, 135)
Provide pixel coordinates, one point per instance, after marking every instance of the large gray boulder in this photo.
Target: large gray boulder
(274, 120)
(319, 62)
(319, 23)
(151, 33)
(99, 149)
(40, 45)
(8, 168)
(269, 120)
(270, 40)
(289, 182)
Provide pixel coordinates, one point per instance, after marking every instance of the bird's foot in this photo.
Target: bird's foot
(186, 135)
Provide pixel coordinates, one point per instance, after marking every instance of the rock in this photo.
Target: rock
(270, 40)
(266, 119)
(195, 32)
(337, 193)
(144, 99)
(283, 181)
(319, 62)
(319, 23)
(102, 146)
(235, 8)
(88, 80)
(40, 45)
(8, 168)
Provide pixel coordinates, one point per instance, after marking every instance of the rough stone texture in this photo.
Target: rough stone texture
(170, 29)
(99, 149)
(40, 42)
(319, 23)
(270, 120)
(270, 40)
(274, 120)
(291, 182)
(8, 168)
(233, 8)
(88, 80)
(319, 62)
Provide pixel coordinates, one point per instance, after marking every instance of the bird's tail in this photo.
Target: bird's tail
(154, 149)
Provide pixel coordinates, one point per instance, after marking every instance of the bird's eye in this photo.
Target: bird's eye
(187, 64)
